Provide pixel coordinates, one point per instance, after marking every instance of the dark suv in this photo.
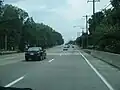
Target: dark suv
(35, 53)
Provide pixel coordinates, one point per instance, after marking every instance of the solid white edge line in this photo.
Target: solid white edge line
(50, 60)
(14, 82)
(99, 75)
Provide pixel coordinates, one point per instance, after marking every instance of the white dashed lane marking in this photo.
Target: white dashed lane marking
(50, 60)
(14, 82)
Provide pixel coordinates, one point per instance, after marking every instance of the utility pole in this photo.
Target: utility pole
(82, 38)
(1, 41)
(86, 29)
(5, 42)
(94, 18)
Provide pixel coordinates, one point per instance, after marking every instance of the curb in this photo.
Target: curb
(107, 62)
(103, 60)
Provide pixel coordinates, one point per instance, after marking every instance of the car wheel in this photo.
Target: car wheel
(41, 58)
(26, 59)
(45, 56)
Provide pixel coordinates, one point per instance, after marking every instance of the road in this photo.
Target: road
(62, 70)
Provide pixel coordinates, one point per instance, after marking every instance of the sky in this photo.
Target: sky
(61, 15)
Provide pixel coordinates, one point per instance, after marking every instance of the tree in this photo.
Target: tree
(115, 3)
(106, 35)
(98, 18)
(22, 30)
(14, 18)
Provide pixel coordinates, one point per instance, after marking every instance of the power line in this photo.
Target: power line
(106, 7)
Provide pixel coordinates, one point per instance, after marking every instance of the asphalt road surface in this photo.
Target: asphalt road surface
(62, 70)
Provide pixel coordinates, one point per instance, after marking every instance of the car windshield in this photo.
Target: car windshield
(34, 49)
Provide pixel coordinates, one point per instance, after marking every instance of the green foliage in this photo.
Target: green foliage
(82, 40)
(106, 36)
(115, 3)
(98, 18)
(22, 30)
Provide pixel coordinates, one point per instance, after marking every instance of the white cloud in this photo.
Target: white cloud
(73, 10)
(30, 5)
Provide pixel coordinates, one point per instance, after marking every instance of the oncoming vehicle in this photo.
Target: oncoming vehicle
(35, 53)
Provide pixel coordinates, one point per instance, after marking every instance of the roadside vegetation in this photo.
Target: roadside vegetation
(106, 36)
(18, 30)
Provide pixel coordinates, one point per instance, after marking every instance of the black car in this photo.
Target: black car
(35, 53)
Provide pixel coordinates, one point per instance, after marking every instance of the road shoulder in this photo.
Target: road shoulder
(109, 58)
(109, 72)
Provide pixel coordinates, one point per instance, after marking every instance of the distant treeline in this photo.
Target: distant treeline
(18, 30)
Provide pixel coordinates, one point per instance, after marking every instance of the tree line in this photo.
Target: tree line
(18, 30)
(106, 36)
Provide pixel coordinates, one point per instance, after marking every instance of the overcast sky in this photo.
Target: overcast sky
(61, 15)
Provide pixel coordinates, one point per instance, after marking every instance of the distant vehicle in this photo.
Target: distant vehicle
(68, 46)
(35, 53)
(65, 48)
(72, 46)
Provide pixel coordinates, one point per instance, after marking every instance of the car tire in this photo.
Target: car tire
(41, 58)
(44, 57)
(26, 59)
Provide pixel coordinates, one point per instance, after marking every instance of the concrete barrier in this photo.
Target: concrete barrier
(110, 58)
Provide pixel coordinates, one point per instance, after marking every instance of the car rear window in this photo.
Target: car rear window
(34, 49)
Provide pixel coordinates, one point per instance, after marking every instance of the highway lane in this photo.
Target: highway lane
(14, 65)
(60, 71)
